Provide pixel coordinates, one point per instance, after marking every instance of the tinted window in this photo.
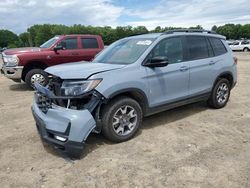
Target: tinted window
(69, 43)
(198, 48)
(170, 48)
(89, 43)
(210, 49)
(218, 46)
(244, 42)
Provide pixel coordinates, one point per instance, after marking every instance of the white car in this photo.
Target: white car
(240, 46)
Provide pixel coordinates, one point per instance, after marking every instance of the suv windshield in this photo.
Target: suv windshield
(125, 51)
(50, 42)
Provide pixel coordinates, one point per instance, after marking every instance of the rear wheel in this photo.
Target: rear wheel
(36, 75)
(121, 120)
(245, 49)
(220, 94)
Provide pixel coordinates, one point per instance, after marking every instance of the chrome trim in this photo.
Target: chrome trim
(14, 73)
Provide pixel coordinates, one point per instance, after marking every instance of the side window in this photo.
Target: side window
(244, 42)
(210, 49)
(170, 48)
(198, 47)
(89, 43)
(218, 46)
(69, 43)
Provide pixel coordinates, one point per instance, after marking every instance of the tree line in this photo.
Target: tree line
(38, 34)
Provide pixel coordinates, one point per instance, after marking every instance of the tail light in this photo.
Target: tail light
(235, 60)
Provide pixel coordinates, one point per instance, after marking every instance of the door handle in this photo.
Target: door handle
(184, 68)
(211, 62)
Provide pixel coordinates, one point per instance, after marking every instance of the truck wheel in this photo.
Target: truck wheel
(220, 94)
(121, 120)
(36, 75)
(245, 49)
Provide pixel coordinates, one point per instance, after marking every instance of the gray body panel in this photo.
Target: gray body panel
(80, 70)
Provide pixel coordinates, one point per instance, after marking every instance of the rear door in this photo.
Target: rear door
(89, 48)
(202, 65)
(170, 83)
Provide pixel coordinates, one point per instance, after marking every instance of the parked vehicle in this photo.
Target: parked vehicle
(2, 49)
(132, 78)
(240, 45)
(28, 64)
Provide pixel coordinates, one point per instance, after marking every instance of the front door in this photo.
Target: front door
(170, 83)
(70, 53)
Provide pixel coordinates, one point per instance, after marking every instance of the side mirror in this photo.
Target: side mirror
(159, 61)
(58, 48)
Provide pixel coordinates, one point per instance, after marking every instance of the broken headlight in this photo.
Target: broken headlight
(75, 88)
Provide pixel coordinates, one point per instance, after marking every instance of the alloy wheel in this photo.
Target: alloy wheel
(222, 93)
(124, 120)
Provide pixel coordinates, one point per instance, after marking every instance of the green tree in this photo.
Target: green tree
(25, 39)
(196, 27)
(214, 28)
(8, 39)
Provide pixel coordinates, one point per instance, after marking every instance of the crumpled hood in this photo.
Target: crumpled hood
(14, 51)
(80, 70)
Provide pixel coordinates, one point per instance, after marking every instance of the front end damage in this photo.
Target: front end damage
(65, 122)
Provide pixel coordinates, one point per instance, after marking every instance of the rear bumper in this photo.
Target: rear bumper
(14, 73)
(72, 125)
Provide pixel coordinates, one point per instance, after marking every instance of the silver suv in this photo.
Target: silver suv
(133, 78)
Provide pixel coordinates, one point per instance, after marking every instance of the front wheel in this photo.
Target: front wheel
(220, 94)
(36, 75)
(121, 120)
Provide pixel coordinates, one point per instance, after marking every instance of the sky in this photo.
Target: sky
(18, 15)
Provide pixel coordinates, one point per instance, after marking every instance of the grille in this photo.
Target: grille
(43, 102)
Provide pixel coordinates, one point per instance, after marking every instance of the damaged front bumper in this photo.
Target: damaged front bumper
(64, 128)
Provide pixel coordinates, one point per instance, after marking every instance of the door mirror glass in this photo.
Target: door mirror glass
(158, 61)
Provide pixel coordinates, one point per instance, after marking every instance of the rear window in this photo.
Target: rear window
(198, 48)
(218, 46)
(89, 43)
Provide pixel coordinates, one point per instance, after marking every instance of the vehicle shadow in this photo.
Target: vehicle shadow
(20, 87)
(173, 115)
(96, 141)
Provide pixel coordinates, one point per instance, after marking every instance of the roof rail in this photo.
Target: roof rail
(189, 31)
(138, 34)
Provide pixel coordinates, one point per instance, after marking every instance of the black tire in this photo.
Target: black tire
(111, 109)
(32, 72)
(245, 50)
(214, 101)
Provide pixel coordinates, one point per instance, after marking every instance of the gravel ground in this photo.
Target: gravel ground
(191, 146)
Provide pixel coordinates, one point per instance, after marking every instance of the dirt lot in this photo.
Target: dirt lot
(192, 146)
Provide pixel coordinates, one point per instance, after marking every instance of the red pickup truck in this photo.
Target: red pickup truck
(27, 64)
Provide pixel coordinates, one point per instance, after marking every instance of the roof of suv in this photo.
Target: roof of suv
(181, 32)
